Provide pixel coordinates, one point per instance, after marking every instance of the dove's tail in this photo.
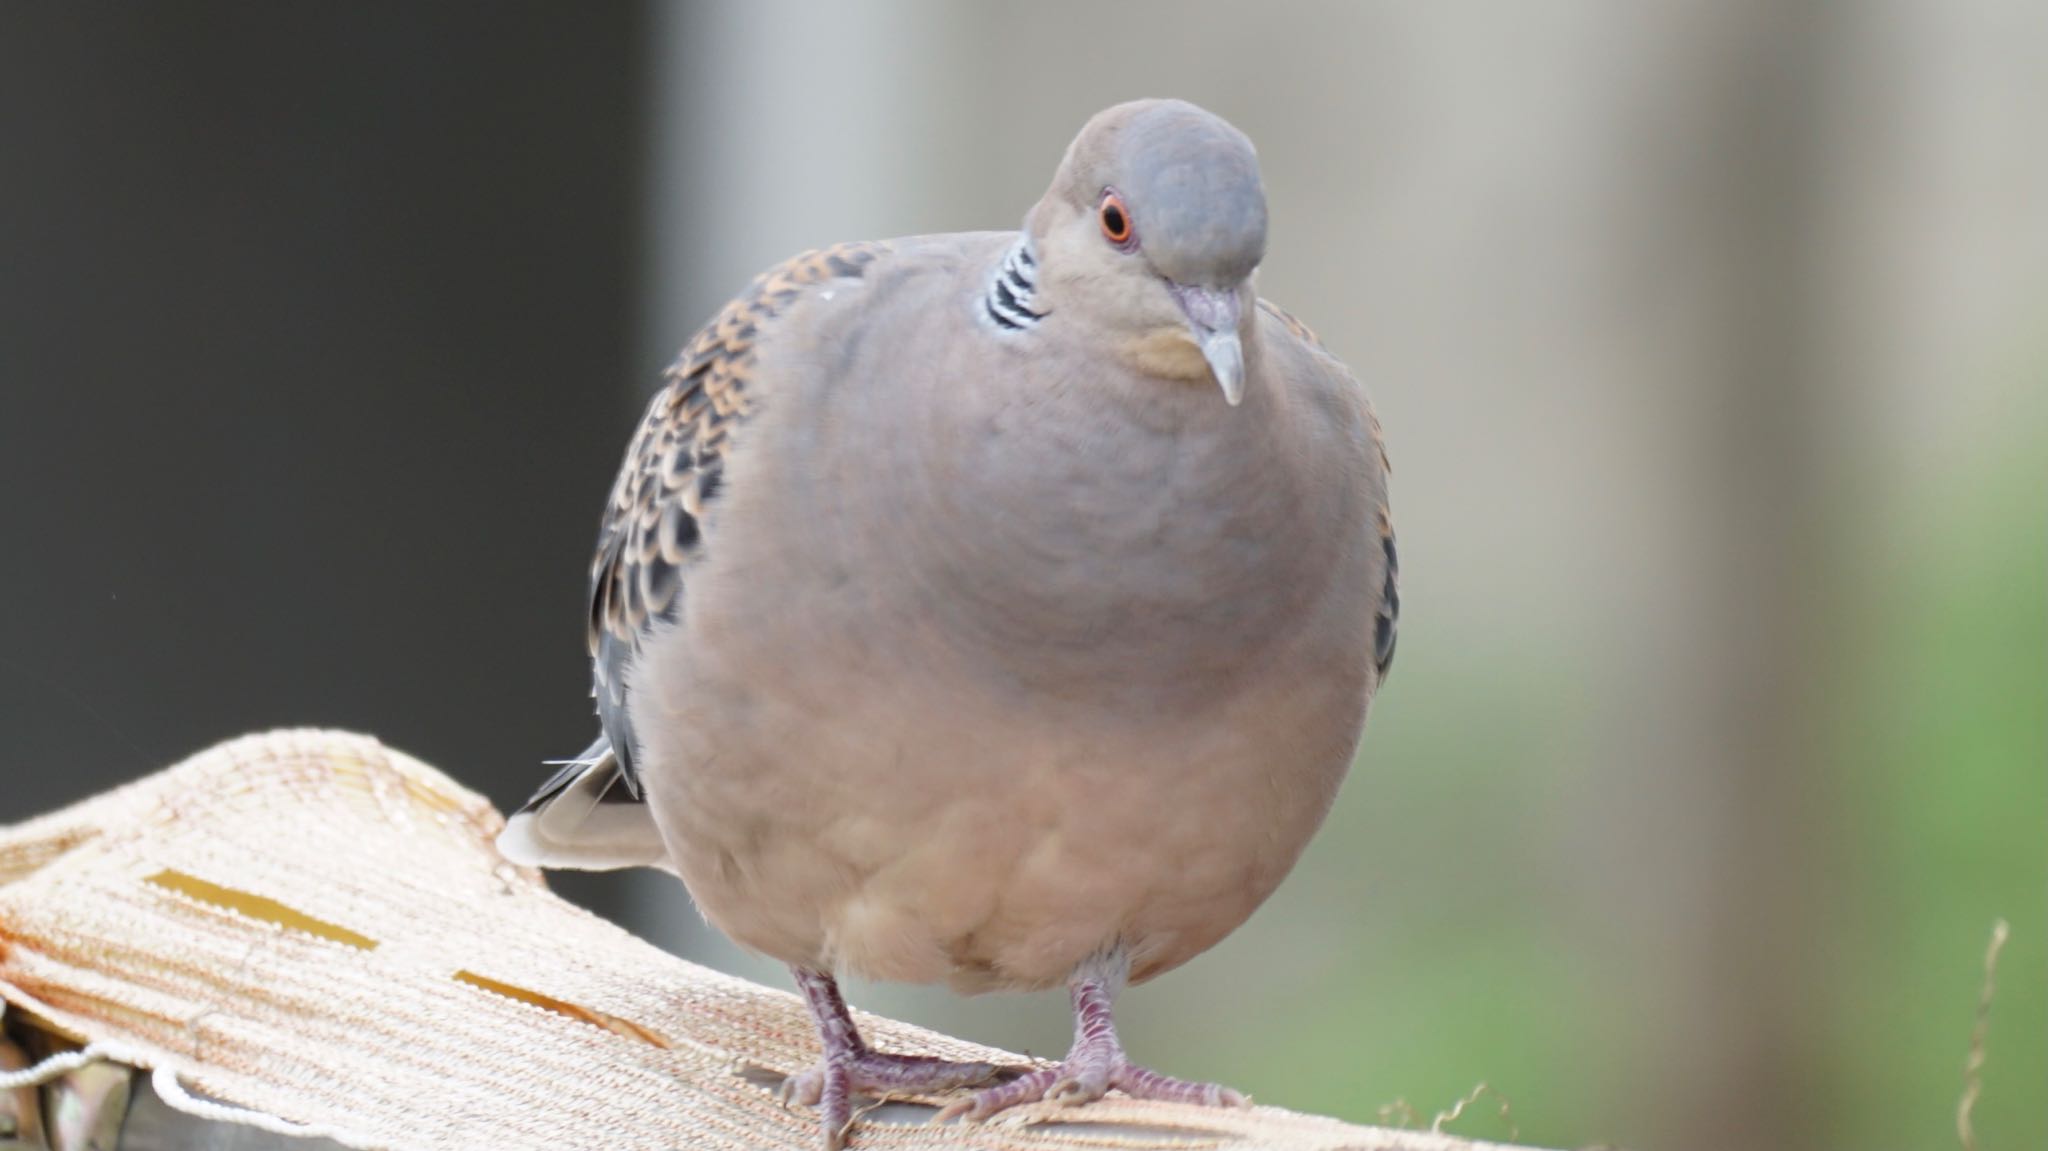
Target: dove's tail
(584, 818)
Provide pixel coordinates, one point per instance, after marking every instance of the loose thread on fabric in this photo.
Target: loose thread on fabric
(63, 1063)
(174, 1095)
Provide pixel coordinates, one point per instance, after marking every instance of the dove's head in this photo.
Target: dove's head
(1154, 226)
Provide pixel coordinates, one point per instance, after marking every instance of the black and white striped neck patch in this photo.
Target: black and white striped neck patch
(1008, 304)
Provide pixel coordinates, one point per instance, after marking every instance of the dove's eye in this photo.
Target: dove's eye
(1116, 221)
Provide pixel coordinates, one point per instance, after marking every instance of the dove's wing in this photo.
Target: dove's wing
(589, 814)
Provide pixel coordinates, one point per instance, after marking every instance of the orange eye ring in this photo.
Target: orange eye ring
(1116, 220)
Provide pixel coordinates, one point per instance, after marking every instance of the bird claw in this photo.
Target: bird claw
(804, 1088)
(1084, 1077)
(1071, 1091)
(831, 1083)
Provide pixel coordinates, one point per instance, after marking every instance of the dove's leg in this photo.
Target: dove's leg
(1095, 1064)
(850, 1065)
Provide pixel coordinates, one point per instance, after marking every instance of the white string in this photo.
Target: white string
(173, 1093)
(62, 1062)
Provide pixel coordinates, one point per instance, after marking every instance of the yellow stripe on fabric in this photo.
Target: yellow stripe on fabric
(258, 907)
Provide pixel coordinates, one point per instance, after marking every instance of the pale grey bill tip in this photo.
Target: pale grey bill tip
(1225, 354)
(1213, 315)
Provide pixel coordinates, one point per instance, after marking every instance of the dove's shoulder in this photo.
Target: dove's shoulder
(1302, 362)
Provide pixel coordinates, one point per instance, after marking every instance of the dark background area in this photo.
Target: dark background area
(313, 366)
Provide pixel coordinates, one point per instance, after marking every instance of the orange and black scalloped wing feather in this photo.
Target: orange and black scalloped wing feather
(653, 527)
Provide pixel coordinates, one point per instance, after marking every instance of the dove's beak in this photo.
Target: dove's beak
(1213, 315)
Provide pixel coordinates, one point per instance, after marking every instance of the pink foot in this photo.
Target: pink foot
(880, 1073)
(1076, 1081)
(1094, 1065)
(850, 1066)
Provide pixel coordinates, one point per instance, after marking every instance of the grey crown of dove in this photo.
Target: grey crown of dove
(994, 608)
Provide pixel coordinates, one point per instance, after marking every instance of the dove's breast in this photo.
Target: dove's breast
(1001, 655)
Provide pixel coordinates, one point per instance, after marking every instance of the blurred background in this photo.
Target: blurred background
(1711, 341)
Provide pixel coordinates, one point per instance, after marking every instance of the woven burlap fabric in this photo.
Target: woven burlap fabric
(313, 926)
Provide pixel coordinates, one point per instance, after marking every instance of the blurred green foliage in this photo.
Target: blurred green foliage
(1940, 758)
(1928, 697)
